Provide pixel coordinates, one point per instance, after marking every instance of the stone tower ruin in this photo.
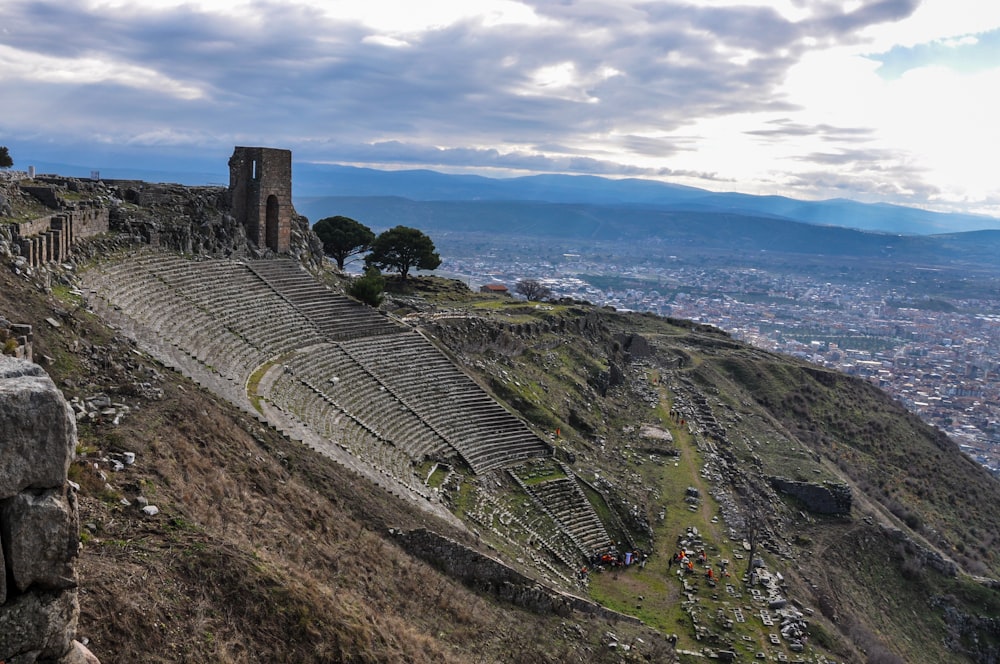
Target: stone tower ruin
(260, 184)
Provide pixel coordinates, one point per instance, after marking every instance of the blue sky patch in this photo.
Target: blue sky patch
(967, 53)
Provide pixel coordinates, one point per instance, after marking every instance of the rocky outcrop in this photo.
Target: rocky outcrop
(39, 531)
(198, 220)
(826, 498)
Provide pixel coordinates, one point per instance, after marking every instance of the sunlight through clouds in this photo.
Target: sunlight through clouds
(876, 99)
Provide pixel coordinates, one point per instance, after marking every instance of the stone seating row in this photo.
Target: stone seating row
(241, 300)
(249, 306)
(336, 428)
(537, 529)
(337, 316)
(169, 314)
(564, 499)
(484, 433)
(170, 297)
(389, 422)
(332, 423)
(398, 386)
(342, 380)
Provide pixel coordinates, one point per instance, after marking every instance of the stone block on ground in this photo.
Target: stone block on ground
(37, 429)
(41, 538)
(42, 623)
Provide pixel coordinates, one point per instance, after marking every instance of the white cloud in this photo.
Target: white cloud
(406, 16)
(385, 40)
(933, 118)
(91, 68)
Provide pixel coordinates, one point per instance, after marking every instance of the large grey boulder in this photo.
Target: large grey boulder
(38, 626)
(37, 429)
(41, 538)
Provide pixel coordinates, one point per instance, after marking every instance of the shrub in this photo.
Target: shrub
(368, 288)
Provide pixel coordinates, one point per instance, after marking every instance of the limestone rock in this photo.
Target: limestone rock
(37, 429)
(11, 368)
(40, 535)
(40, 624)
(79, 654)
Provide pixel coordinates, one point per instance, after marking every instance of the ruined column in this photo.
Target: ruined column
(27, 249)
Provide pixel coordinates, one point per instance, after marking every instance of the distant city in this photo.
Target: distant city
(902, 329)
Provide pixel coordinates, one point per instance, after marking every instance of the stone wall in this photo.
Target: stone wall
(826, 498)
(486, 574)
(89, 221)
(47, 195)
(35, 226)
(39, 530)
(924, 554)
(51, 238)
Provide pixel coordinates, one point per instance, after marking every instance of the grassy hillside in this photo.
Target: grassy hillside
(881, 580)
(262, 550)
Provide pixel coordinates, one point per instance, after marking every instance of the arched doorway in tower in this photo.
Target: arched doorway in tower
(271, 223)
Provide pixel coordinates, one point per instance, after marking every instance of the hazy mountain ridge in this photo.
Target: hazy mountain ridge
(313, 181)
(675, 231)
(321, 180)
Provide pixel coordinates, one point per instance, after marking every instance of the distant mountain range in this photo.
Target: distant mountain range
(666, 231)
(315, 181)
(320, 188)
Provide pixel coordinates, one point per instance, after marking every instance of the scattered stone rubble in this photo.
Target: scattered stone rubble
(762, 597)
(99, 409)
(16, 339)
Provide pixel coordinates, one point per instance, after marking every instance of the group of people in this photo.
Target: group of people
(686, 561)
(613, 557)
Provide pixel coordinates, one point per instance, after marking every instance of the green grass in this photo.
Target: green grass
(437, 477)
(63, 293)
(253, 384)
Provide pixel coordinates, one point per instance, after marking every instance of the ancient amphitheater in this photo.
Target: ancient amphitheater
(345, 379)
(352, 383)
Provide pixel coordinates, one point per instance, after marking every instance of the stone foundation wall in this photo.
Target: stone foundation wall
(490, 575)
(39, 529)
(90, 221)
(35, 226)
(827, 498)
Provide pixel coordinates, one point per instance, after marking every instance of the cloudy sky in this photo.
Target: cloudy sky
(876, 100)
